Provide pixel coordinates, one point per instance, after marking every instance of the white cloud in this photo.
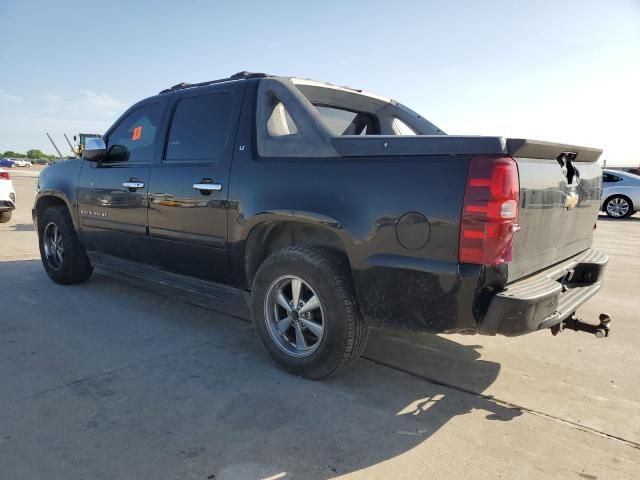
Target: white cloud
(99, 103)
(51, 99)
(84, 111)
(6, 98)
(85, 105)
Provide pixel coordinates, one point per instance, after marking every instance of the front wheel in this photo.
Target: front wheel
(618, 206)
(305, 311)
(63, 257)
(5, 216)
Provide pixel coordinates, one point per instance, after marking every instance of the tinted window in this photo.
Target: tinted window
(200, 128)
(134, 138)
(609, 178)
(346, 122)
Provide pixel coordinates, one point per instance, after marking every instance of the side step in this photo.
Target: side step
(212, 296)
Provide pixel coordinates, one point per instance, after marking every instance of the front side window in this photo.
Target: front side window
(200, 128)
(134, 139)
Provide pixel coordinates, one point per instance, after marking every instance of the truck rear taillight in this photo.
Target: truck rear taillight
(5, 176)
(490, 211)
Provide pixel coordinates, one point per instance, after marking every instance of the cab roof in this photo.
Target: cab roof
(245, 75)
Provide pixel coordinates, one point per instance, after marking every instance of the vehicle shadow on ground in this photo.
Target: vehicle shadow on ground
(219, 407)
(22, 227)
(633, 218)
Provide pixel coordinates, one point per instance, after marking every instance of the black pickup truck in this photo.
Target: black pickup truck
(337, 209)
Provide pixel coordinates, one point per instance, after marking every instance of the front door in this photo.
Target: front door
(189, 185)
(112, 196)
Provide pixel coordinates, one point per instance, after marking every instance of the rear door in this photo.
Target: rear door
(189, 185)
(112, 196)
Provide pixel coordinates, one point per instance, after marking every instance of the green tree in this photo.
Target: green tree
(12, 154)
(34, 153)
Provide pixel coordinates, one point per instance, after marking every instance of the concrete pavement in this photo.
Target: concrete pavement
(107, 380)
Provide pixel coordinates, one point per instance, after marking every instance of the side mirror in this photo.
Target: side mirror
(94, 150)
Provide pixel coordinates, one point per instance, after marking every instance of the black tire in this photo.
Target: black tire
(613, 204)
(328, 274)
(5, 216)
(75, 266)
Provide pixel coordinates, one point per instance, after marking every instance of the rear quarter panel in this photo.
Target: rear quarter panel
(360, 200)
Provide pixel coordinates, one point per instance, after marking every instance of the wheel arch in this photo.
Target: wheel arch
(48, 199)
(266, 237)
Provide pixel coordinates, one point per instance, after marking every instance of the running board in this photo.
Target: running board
(212, 296)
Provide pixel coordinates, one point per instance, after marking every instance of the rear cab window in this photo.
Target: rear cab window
(341, 121)
(347, 111)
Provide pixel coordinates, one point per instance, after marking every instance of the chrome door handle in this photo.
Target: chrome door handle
(210, 187)
(133, 185)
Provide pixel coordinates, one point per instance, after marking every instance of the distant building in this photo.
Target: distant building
(622, 168)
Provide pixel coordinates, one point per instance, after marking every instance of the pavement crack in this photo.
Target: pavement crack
(504, 403)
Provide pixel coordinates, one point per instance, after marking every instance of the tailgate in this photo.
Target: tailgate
(560, 188)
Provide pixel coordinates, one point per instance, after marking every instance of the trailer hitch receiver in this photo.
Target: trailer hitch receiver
(575, 323)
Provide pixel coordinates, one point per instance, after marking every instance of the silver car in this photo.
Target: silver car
(620, 193)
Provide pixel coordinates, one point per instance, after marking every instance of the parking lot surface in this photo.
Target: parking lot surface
(110, 380)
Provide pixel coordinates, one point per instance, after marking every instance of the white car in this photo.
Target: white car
(21, 163)
(7, 196)
(620, 193)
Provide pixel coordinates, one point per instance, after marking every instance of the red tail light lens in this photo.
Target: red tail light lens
(490, 211)
(5, 176)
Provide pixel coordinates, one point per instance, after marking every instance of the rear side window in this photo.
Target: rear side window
(609, 178)
(134, 139)
(200, 128)
(346, 122)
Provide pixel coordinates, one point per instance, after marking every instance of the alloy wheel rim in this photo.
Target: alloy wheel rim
(294, 316)
(618, 207)
(53, 246)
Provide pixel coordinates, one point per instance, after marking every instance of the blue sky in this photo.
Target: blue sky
(554, 70)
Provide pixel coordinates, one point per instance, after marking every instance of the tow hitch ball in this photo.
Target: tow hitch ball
(575, 323)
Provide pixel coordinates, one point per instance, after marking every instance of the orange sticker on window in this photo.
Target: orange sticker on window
(137, 133)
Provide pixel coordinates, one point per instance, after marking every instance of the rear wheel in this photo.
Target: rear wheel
(5, 216)
(63, 257)
(618, 206)
(305, 311)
